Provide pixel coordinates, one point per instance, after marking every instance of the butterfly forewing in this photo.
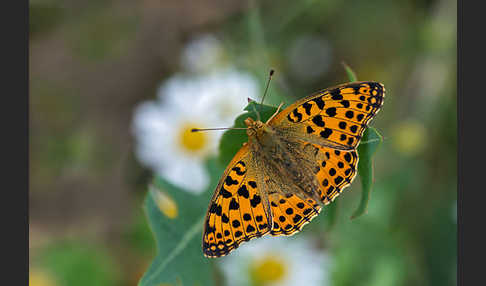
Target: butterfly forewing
(236, 212)
(335, 117)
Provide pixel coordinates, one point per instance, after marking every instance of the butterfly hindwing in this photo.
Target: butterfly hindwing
(335, 117)
(290, 213)
(336, 172)
(236, 212)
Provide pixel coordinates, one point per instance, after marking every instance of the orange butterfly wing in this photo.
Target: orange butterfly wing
(290, 213)
(336, 172)
(335, 117)
(236, 212)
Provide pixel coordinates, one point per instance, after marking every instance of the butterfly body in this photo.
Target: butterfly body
(292, 165)
(285, 159)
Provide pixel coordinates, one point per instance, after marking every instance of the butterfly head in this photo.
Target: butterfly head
(256, 128)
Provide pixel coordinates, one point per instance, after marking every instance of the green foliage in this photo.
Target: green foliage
(179, 258)
(138, 235)
(44, 16)
(366, 149)
(80, 264)
(351, 74)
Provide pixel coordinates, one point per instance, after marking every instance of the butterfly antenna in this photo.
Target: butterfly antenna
(268, 84)
(222, 128)
(263, 98)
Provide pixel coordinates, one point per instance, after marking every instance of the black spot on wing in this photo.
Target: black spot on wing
(225, 218)
(297, 218)
(234, 204)
(332, 171)
(238, 171)
(247, 217)
(213, 207)
(349, 114)
(338, 180)
(347, 157)
(219, 210)
(225, 193)
(331, 111)
(307, 106)
(336, 94)
(318, 121)
(229, 181)
(297, 115)
(243, 191)
(250, 228)
(255, 200)
(320, 103)
(326, 133)
(210, 229)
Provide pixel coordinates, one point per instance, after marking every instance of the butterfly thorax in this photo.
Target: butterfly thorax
(279, 154)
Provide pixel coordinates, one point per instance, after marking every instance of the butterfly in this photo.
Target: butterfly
(299, 160)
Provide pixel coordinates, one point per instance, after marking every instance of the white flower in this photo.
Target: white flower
(202, 53)
(162, 128)
(277, 261)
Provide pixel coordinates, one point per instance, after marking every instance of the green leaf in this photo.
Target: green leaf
(79, 263)
(179, 259)
(351, 74)
(232, 140)
(366, 149)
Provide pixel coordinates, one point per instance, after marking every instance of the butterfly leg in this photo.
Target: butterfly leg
(276, 112)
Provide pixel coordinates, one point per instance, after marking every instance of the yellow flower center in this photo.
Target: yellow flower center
(192, 141)
(267, 270)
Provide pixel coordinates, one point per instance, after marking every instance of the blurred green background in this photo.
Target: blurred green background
(92, 62)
